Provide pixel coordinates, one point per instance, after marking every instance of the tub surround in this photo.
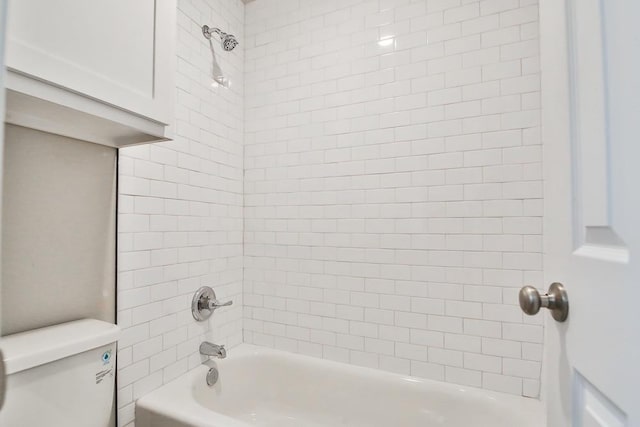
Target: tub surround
(368, 190)
(180, 214)
(393, 187)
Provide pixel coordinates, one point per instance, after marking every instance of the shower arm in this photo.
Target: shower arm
(208, 32)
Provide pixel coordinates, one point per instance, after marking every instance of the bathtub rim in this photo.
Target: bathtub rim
(184, 408)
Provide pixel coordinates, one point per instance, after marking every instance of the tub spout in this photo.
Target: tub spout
(213, 350)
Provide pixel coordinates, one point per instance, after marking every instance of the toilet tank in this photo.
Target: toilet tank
(62, 375)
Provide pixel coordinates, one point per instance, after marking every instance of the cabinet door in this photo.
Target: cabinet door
(119, 51)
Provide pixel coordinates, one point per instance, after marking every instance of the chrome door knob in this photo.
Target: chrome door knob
(556, 300)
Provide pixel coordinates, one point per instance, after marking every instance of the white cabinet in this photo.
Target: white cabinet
(92, 69)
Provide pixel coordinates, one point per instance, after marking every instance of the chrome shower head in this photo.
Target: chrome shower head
(229, 41)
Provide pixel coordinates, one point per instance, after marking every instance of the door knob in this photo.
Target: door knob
(555, 299)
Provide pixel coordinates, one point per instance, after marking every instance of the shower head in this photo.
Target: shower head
(228, 41)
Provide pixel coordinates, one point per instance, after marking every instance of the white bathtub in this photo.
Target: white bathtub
(269, 388)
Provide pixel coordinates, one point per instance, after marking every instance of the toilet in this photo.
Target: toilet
(61, 375)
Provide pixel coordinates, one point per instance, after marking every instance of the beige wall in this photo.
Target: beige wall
(58, 230)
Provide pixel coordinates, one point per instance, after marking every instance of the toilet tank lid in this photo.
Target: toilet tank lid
(29, 349)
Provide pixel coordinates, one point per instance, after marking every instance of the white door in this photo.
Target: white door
(591, 130)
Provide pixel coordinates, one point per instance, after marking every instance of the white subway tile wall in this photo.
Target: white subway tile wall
(181, 215)
(393, 186)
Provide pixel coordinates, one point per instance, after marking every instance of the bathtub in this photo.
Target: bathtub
(268, 388)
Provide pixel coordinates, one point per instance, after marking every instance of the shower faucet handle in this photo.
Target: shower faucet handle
(204, 303)
(214, 304)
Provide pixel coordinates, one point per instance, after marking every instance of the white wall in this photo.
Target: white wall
(180, 216)
(393, 193)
